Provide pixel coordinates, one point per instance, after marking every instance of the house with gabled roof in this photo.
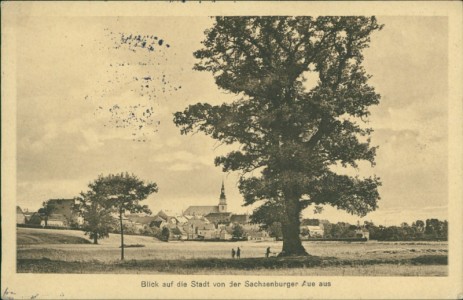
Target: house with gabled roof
(20, 217)
(65, 207)
(315, 231)
(219, 218)
(199, 228)
(226, 233)
(313, 227)
(258, 235)
(241, 219)
(207, 231)
(190, 231)
(201, 210)
(158, 222)
(362, 232)
(28, 215)
(37, 219)
(145, 220)
(57, 220)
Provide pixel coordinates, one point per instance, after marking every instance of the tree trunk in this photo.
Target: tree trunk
(122, 235)
(95, 239)
(292, 245)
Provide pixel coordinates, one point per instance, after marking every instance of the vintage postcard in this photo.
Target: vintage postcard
(231, 150)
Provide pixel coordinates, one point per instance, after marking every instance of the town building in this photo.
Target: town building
(362, 233)
(56, 220)
(36, 219)
(28, 215)
(20, 217)
(65, 207)
(225, 233)
(199, 210)
(313, 227)
(258, 235)
(219, 218)
(207, 232)
(315, 231)
(241, 219)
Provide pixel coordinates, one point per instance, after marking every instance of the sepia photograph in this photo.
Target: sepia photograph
(281, 150)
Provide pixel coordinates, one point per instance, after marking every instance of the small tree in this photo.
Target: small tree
(165, 234)
(97, 217)
(122, 193)
(47, 210)
(238, 231)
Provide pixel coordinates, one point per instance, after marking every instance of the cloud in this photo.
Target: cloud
(91, 138)
(173, 142)
(183, 160)
(72, 134)
(183, 167)
(31, 194)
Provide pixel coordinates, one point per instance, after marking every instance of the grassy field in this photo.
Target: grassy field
(35, 237)
(328, 258)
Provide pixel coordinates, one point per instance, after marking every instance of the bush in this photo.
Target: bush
(165, 234)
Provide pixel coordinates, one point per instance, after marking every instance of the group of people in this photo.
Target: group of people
(236, 253)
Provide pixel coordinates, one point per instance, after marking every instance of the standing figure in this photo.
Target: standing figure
(238, 252)
(233, 252)
(267, 253)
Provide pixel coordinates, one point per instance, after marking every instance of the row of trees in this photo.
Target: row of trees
(431, 229)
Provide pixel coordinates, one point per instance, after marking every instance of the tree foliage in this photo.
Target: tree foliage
(290, 134)
(274, 230)
(165, 234)
(434, 230)
(123, 191)
(98, 219)
(120, 193)
(238, 231)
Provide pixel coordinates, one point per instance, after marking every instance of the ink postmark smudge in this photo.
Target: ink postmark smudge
(135, 82)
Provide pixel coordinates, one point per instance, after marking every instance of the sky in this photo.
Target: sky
(89, 104)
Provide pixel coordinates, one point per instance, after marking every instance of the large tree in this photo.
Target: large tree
(122, 193)
(291, 135)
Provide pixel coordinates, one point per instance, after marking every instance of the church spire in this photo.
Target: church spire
(223, 200)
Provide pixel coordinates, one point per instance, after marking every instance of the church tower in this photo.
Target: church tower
(223, 200)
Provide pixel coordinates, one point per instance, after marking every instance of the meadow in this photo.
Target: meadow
(37, 253)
